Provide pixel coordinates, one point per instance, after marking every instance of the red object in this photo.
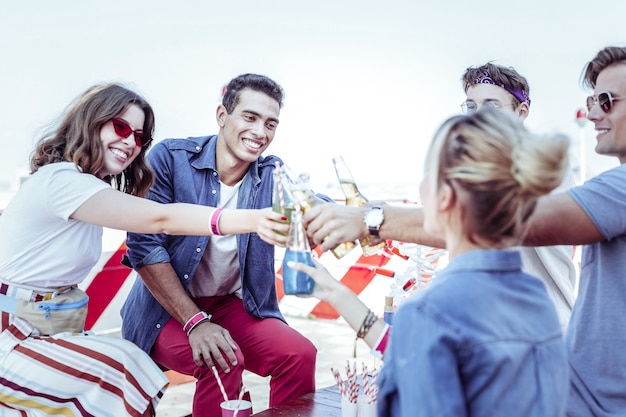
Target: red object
(407, 285)
(106, 285)
(581, 117)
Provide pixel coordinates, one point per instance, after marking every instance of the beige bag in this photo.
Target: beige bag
(65, 312)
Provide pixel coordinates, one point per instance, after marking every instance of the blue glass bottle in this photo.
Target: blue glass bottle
(296, 282)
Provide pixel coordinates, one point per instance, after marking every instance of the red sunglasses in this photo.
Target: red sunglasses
(123, 129)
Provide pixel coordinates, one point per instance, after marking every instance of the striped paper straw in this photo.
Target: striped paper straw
(219, 382)
(339, 381)
(239, 401)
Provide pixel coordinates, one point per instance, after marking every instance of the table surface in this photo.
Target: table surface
(325, 402)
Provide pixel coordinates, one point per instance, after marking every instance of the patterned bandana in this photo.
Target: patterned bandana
(521, 95)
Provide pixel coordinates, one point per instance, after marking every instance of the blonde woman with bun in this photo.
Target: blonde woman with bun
(485, 338)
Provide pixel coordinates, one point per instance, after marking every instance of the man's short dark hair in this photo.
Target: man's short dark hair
(254, 82)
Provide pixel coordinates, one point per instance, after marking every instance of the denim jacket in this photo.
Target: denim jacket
(483, 340)
(186, 173)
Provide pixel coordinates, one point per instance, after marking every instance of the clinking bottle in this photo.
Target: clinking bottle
(306, 199)
(356, 199)
(298, 250)
(282, 199)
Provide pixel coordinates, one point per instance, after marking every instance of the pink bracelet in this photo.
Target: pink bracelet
(215, 218)
(196, 319)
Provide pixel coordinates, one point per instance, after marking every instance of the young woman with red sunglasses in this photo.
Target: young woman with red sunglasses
(88, 173)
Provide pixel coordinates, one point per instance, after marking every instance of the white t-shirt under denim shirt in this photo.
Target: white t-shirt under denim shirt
(218, 272)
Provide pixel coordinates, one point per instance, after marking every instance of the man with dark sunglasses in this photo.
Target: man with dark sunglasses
(592, 214)
(209, 304)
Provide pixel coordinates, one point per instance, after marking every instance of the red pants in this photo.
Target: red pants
(266, 347)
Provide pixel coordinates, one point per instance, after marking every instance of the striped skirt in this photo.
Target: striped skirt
(72, 374)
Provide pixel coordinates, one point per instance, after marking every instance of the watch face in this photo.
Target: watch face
(374, 217)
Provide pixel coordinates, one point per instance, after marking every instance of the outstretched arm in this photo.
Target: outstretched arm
(331, 224)
(116, 210)
(342, 299)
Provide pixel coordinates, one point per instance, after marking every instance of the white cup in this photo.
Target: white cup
(240, 408)
(348, 409)
(365, 408)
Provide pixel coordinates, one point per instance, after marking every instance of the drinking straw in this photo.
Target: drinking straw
(219, 382)
(373, 390)
(239, 400)
(366, 380)
(339, 381)
(353, 385)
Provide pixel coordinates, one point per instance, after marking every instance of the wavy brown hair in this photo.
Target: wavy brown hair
(76, 138)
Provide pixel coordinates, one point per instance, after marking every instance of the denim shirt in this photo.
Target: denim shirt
(186, 173)
(483, 340)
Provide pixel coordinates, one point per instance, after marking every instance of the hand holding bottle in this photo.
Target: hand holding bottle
(332, 224)
(326, 288)
(271, 227)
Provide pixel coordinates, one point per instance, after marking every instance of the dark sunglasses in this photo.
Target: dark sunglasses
(604, 99)
(123, 129)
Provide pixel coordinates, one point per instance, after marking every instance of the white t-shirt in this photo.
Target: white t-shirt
(218, 272)
(40, 246)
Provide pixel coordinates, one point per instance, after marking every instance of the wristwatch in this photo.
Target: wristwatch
(373, 219)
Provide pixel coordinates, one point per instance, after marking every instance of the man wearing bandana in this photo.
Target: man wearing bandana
(591, 215)
(502, 87)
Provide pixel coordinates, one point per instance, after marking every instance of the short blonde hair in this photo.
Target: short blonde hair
(498, 170)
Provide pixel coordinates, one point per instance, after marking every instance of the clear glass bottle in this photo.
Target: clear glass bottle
(302, 194)
(282, 199)
(306, 199)
(354, 198)
(298, 250)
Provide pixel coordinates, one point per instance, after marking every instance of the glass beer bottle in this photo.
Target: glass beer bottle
(354, 198)
(306, 198)
(282, 199)
(298, 250)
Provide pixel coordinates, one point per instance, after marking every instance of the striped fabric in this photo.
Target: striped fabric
(71, 374)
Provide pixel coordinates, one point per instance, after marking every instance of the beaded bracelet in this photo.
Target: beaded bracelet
(367, 324)
(215, 218)
(196, 319)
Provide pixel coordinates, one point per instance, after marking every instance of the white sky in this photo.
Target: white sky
(370, 80)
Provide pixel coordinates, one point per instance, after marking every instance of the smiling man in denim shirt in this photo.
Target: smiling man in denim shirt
(211, 301)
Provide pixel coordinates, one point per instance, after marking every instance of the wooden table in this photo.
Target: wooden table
(325, 402)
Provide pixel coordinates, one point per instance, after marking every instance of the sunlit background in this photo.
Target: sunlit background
(369, 80)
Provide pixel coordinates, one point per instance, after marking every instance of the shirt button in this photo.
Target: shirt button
(158, 325)
(214, 174)
(198, 148)
(198, 250)
(186, 276)
(213, 192)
